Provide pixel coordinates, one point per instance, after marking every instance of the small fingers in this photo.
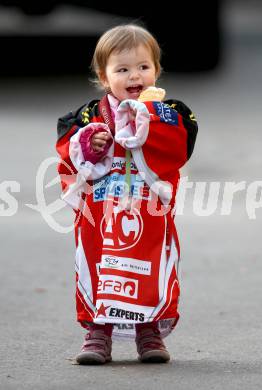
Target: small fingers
(98, 144)
(98, 148)
(102, 135)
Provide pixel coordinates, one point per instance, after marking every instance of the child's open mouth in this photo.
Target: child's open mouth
(135, 90)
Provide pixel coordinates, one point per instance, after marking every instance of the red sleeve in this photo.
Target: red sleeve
(170, 140)
(65, 167)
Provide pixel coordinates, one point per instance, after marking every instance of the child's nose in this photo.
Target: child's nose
(134, 75)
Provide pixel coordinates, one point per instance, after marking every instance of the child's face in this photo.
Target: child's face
(129, 72)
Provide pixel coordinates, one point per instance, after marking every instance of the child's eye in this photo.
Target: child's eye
(144, 67)
(122, 70)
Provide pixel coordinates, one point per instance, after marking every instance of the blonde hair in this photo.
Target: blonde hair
(119, 38)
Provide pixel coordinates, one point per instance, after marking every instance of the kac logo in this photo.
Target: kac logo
(122, 229)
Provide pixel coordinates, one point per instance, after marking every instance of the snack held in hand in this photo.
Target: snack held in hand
(152, 94)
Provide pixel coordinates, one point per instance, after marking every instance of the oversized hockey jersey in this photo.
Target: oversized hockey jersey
(127, 252)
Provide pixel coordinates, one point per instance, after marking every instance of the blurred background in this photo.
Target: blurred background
(59, 36)
(212, 60)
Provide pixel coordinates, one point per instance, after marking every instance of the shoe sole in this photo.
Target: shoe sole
(92, 358)
(154, 356)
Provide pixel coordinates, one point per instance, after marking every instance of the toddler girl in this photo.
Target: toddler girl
(120, 161)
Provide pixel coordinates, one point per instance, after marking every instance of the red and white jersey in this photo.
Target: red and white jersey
(127, 252)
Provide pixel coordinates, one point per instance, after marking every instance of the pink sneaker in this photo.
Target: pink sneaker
(150, 346)
(96, 348)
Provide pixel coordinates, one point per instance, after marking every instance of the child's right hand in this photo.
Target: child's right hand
(99, 140)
